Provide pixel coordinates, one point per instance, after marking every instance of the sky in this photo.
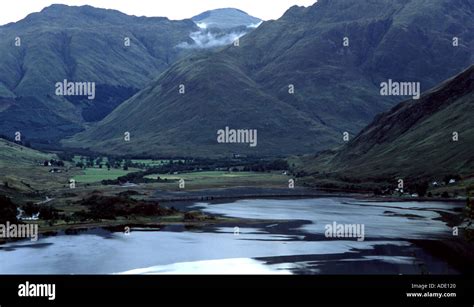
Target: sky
(11, 11)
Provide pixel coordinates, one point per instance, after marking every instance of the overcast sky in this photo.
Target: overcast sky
(11, 11)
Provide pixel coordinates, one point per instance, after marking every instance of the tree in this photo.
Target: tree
(8, 210)
(421, 188)
(66, 156)
(30, 208)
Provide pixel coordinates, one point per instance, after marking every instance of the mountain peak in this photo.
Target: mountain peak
(85, 15)
(225, 18)
(83, 9)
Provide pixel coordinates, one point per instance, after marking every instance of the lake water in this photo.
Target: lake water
(288, 238)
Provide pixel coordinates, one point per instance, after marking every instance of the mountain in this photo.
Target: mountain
(36, 120)
(336, 87)
(80, 44)
(18, 167)
(219, 28)
(414, 139)
(225, 18)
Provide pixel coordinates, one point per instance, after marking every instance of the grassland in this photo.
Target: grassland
(222, 179)
(25, 178)
(22, 169)
(96, 174)
(12, 154)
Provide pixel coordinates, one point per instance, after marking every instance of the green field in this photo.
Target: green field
(224, 178)
(91, 175)
(213, 174)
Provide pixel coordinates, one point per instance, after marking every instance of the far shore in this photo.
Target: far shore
(256, 193)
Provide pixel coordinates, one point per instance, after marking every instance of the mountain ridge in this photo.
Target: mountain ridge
(336, 89)
(430, 137)
(80, 44)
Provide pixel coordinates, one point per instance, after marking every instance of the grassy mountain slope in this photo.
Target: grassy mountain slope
(414, 139)
(86, 43)
(21, 170)
(336, 87)
(177, 119)
(82, 44)
(12, 154)
(32, 117)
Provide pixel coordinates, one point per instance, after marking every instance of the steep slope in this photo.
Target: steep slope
(83, 44)
(414, 139)
(183, 125)
(336, 87)
(34, 119)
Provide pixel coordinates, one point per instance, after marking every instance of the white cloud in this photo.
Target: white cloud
(206, 39)
(255, 25)
(202, 25)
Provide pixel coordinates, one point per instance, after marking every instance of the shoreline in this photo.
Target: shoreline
(222, 194)
(255, 193)
(456, 251)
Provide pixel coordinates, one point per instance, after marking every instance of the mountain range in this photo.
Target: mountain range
(301, 81)
(118, 52)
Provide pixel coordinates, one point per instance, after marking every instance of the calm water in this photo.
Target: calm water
(289, 239)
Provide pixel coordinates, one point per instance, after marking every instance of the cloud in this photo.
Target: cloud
(201, 25)
(204, 39)
(254, 25)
